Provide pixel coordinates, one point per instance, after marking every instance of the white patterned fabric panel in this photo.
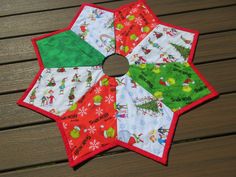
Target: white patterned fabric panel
(143, 121)
(58, 88)
(96, 27)
(163, 45)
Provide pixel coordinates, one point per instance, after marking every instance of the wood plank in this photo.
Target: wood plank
(214, 47)
(9, 7)
(205, 21)
(208, 158)
(206, 120)
(13, 115)
(221, 74)
(209, 48)
(210, 20)
(42, 143)
(23, 74)
(30, 146)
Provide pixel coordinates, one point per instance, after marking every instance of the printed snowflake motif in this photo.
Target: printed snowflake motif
(99, 111)
(143, 35)
(127, 23)
(153, 25)
(134, 10)
(139, 21)
(137, 111)
(146, 10)
(82, 111)
(92, 129)
(98, 90)
(109, 99)
(93, 145)
(119, 38)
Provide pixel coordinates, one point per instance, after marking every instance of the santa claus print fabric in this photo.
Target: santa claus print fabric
(138, 110)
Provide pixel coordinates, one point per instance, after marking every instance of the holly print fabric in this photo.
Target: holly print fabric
(139, 110)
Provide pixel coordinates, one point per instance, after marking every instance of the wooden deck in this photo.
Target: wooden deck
(204, 143)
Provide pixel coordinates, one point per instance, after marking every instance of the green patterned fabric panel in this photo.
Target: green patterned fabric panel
(175, 83)
(67, 49)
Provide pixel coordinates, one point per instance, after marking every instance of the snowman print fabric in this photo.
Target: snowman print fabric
(139, 110)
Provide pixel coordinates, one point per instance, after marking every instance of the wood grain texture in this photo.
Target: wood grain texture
(216, 46)
(211, 20)
(13, 115)
(43, 143)
(10, 7)
(208, 158)
(221, 74)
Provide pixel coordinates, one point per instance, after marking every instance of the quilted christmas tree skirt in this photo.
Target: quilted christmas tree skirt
(138, 110)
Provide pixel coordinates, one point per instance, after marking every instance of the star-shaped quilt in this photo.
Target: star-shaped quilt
(138, 110)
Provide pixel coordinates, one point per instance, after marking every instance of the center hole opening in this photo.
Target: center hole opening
(115, 65)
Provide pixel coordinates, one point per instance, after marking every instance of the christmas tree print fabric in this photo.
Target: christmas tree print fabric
(139, 110)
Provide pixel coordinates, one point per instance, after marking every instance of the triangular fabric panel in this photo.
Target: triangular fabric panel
(95, 26)
(164, 44)
(57, 89)
(89, 125)
(175, 83)
(132, 24)
(66, 49)
(143, 120)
